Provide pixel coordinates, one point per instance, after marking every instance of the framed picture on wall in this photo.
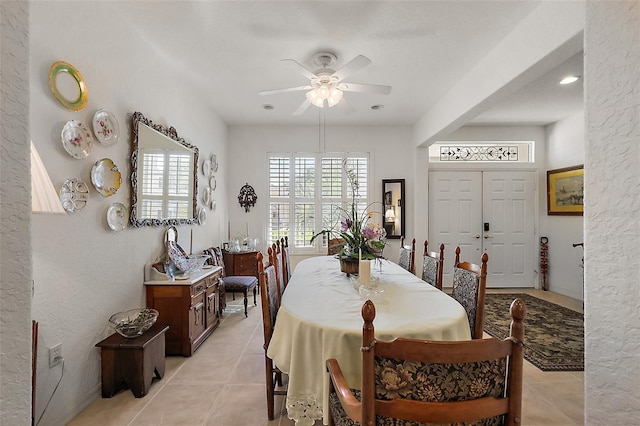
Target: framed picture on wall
(565, 191)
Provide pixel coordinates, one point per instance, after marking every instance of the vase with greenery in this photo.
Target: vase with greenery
(362, 239)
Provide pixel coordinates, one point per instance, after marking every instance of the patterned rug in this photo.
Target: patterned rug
(554, 335)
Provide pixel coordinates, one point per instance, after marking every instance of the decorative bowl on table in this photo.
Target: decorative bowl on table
(371, 292)
(186, 263)
(134, 322)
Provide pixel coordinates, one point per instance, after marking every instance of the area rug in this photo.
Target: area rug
(554, 335)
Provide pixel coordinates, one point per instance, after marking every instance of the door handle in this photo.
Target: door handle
(487, 236)
(477, 236)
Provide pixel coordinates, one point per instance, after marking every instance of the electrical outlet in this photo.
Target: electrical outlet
(55, 355)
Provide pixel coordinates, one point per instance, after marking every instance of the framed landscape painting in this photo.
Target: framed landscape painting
(565, 191)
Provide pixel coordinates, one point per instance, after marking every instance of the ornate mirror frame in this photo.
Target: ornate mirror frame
(170, 133)
(393, 202)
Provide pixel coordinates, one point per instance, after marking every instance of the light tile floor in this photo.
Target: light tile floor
(222, 384)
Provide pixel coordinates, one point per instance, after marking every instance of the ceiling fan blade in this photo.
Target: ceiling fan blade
(365, 88)
(345, 106)
(356, 64)
(301, 68)
(302, 108)
(289, 89)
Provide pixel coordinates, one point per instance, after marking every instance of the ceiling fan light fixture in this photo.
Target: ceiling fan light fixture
(335, 95)
(312, 96)
(323, 91)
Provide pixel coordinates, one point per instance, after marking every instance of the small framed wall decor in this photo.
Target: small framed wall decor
(565, 191)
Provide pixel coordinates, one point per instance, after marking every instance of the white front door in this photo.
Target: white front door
(489, 212)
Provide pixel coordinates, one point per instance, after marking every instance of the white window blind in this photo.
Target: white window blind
(165, 182)
(304, 187)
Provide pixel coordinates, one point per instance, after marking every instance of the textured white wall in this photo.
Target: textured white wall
(612, 209)
(15, 215)
(565, 148)
(83, 271)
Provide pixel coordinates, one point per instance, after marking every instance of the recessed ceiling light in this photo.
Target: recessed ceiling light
(569, 79)
(377, 107)
(268, 107)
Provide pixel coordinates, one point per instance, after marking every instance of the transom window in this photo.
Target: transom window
(481, 151)
(305, 191)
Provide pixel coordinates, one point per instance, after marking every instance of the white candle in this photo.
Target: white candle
(364, 268)
(359, 254)
(247, 229)
(191, 242)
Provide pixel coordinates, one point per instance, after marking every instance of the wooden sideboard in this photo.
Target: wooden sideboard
(240, 263)
(191, 309)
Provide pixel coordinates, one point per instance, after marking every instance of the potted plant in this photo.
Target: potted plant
(362, 240)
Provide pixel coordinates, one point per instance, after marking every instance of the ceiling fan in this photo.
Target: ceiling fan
(326, 85)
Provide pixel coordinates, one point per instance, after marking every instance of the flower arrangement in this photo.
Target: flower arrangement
(363, 240)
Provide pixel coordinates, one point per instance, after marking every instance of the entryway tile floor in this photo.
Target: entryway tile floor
(222, 384)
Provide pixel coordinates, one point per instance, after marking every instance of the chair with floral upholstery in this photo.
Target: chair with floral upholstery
(270, 304)
(236, 283)
(432, 263)
(407, 258)
(469, 284)
(411, 381)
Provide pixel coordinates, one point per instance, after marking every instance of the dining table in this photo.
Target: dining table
(320, 318)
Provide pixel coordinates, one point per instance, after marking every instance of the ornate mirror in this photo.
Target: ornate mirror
(393, 201)
(164, 182)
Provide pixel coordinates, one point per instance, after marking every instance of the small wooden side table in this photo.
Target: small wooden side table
(131, 363)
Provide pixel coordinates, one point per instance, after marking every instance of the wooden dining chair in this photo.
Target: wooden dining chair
(411, 381)
(432, 263)
(407, 258)
(469, 285)
(279, 260)
(270, 305)
(288, 262)
(286, 273)
(335, 245)
(275, 261)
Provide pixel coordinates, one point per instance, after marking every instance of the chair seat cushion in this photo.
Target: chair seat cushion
(239, 283)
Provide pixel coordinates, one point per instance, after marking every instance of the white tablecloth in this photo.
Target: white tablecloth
(320, 318)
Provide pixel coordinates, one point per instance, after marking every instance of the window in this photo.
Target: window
(305, 191)
(481, 151)
(166, 177)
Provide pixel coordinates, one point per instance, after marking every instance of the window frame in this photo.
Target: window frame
(319, 246)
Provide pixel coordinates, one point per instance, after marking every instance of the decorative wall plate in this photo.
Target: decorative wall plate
(214, 163)
(206, 168)
(202, 216)
(77, 139)
(206, 197)
(106, 127)
(106, 177)
(117, 216)
(71, 93)
(212, 183)
(74, 195)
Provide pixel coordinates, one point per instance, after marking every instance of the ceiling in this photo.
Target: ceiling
(233, 50)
